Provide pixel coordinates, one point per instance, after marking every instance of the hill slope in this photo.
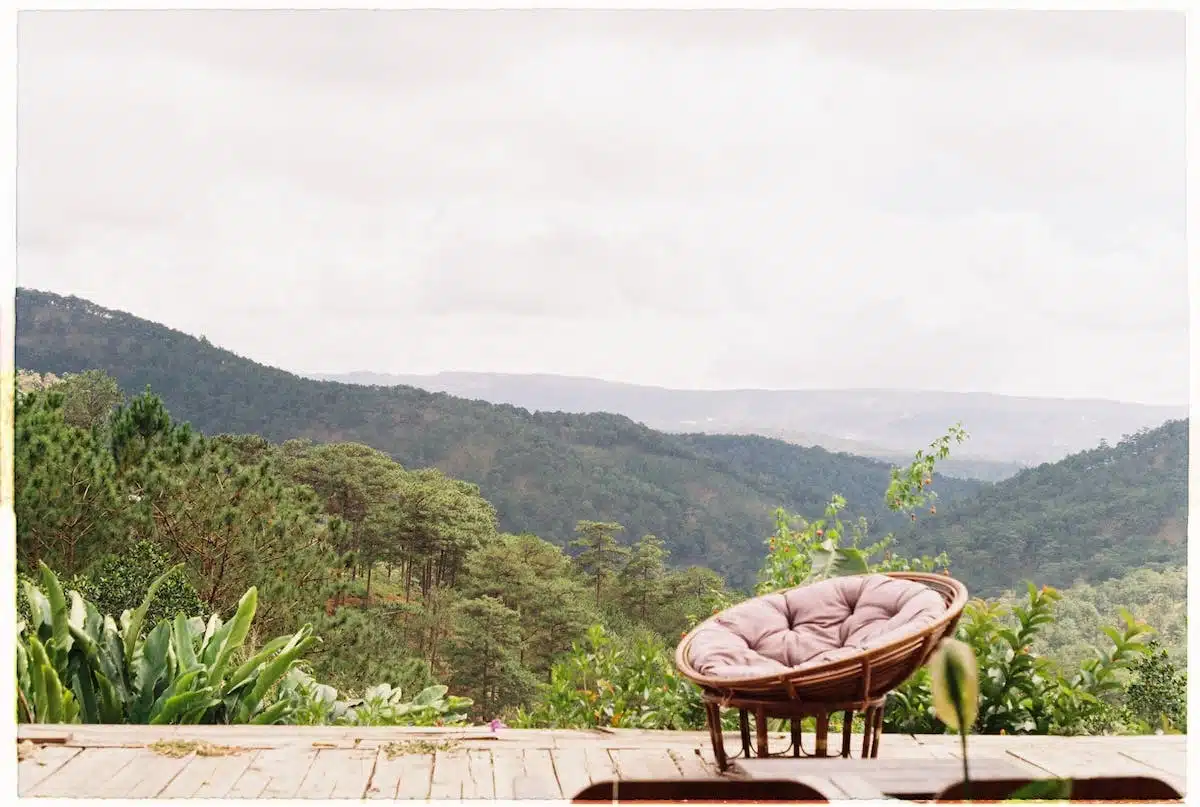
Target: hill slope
(1006, 432)
(1094, 516)
(543, 472)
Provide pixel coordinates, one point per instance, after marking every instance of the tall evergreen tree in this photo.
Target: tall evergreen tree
(485, 657)
(601, 555)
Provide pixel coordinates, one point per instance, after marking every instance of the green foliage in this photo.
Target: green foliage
(643, 576)
(486, 656)
(75, 665)
(371, 644)
(802, 552)
(66, 497)
(1156, 697)
(622, 683)
(1158, 598)
(601, 555)
(1020, 692)
(312, 703)
(88, 398)
(1091, 517)
(538, 581)
(909, 489)
(120, 582)
(708, 497)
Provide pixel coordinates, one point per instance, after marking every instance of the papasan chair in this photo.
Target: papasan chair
(838, 645)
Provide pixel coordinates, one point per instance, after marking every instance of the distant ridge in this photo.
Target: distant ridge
(1007, 432)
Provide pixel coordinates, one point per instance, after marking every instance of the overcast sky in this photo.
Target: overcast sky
(936, 200)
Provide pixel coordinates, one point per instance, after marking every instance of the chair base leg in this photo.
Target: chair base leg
(713, 716)
(755, 744)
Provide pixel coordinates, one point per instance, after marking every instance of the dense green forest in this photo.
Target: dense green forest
(1093, 516)
(382, 581)
(401, 571)
(709, 498)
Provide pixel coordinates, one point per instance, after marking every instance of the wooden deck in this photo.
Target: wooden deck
(334, 763)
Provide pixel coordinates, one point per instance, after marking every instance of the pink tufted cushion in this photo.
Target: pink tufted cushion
(812, 625)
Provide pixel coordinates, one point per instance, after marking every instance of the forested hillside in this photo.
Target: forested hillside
(1095, 515)
(403, 575)
(709, 499)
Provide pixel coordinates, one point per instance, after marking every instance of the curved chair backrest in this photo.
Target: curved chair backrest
(1098, 788)
(702, 790)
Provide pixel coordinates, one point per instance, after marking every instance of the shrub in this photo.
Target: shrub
(1020, 692)
(74, 665)
(120, 582)
(314, 703)
(629, 683)
(1157, 695)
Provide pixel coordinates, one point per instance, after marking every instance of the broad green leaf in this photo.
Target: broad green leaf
(239, 627)
(134, 629)
(955, 684)
(247, 668)
(271, 714)
(48, 688)
(112, 705)
(150, 668)
(214, 623)
(174, 708)
(39, 607)
(85, 694)
(181, 638)
(430, 695)
(275, 670)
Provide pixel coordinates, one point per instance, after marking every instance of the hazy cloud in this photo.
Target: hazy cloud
(973, 200)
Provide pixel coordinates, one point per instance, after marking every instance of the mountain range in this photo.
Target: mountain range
(710, 497)
(1007, 432)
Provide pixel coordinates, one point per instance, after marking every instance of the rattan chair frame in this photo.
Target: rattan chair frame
(858, 683)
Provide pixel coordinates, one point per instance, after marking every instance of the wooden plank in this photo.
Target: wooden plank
(508, 766)
(338, 773)
(479, 766)
(462, 774)
(143, 777)
(208, 777)
(540, 781)
(1068, 762)
(708, 757)
(691, 765)
(570, 770)
(44, 761)
(645, 763)
(855, 787)
(403, 777)
(84, 773)
(275, 773)
(1168, 760)
(576, 768)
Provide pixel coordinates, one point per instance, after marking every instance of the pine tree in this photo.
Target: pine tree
(485, 657)
(601, 555)
(68, 506)
(643, 576)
